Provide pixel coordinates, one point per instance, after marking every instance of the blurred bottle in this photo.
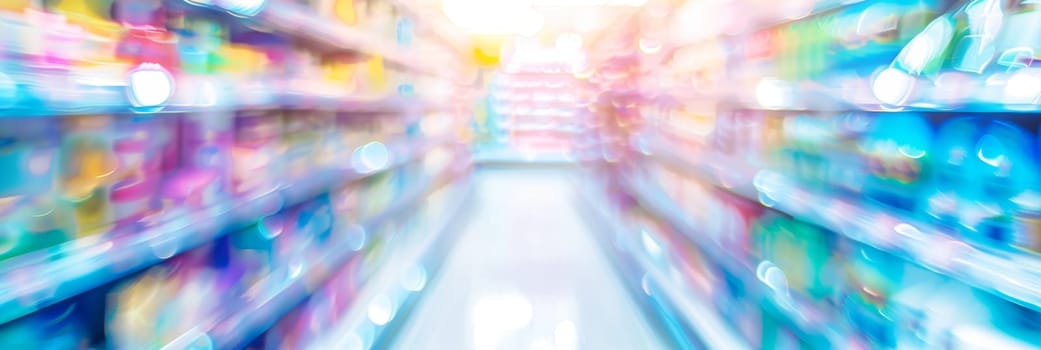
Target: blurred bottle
(802, 252)
(1028, 219)
(1004, 173)
(873, 278)
(315, 219)
(948, 187)
(807, 139)
(981, 44)
(874, 31)
(256, 248)
(1019, 43)
(896, 150)
(845, 169)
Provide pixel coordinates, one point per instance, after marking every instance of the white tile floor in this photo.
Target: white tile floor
(526, 273)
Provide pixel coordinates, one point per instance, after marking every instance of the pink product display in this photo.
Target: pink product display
(191, 189)
(133, 199)
(136, 145)
(257, 153)
(136, 148)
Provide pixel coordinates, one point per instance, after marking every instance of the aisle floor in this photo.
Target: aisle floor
(526, 273)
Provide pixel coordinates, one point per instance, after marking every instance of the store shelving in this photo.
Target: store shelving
(810, 319)
(39, 279)
(86, 99)
(1007, 274)
(858, 97)
(236, 327)
(712, 330)
(427, 253)
(303, 23)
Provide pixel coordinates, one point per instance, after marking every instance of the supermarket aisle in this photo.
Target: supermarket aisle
(526, 274)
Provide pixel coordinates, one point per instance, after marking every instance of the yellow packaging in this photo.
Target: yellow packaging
(92, 15)
(89, 166)
(342, 74)
(375, 77)
(15, 5)
(241, 60)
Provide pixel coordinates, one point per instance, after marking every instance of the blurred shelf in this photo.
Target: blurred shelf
(200, 94)
(509, 155)
(39, 279)
(303, 23)
(850, 95)
(541, 128)
(814, 321)
(428, 253)
(1011, 275)
(280, 294)
(712, 329)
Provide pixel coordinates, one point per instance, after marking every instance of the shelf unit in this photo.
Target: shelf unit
(34, 281)
(1010, 275)
(113, 100)
(428, 252)
(305, 24)
(236, 327)
(810, 319)
(712, 331)
(42, 278)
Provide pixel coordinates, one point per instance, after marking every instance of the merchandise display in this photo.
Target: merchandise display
(851, 176)
(520, 174)
(183, 174)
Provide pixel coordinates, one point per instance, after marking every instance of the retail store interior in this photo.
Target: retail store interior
(520, 174)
